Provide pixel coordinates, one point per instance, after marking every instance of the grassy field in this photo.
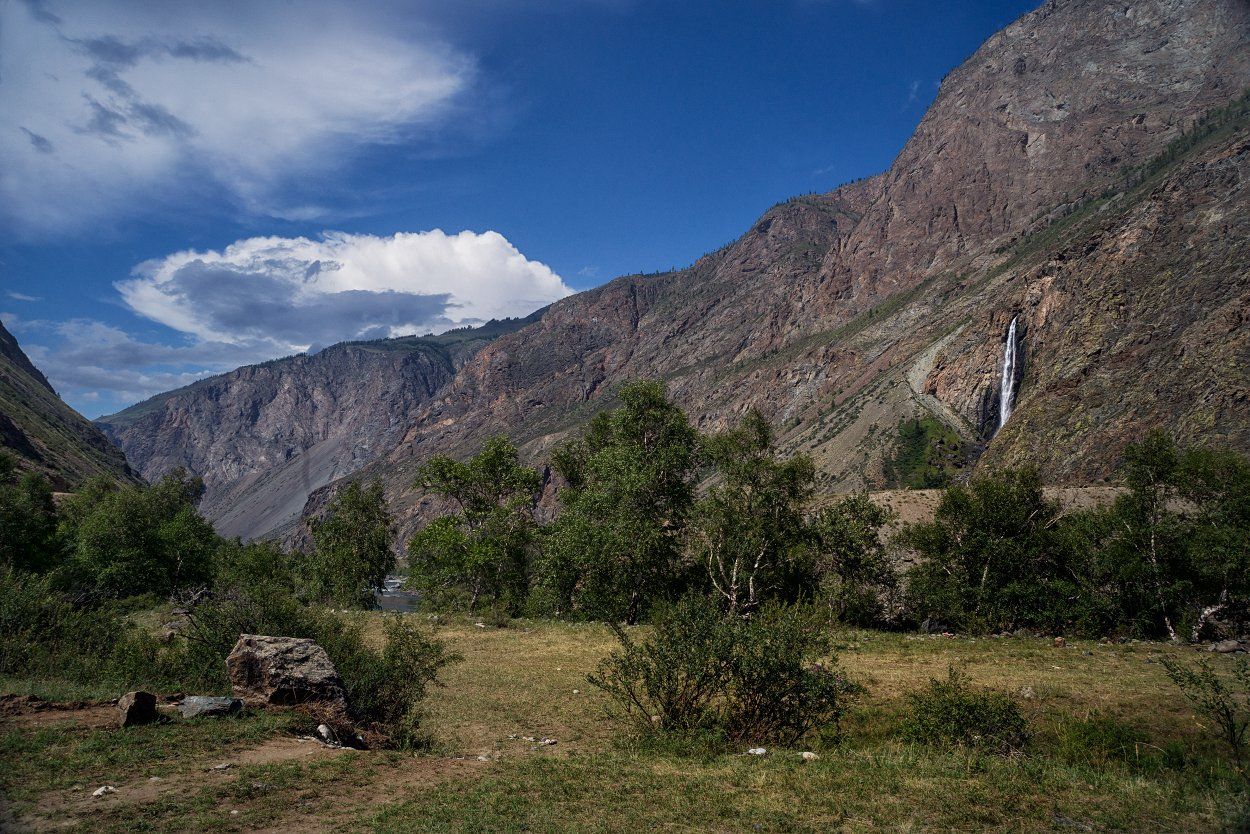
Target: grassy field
(1114, 748)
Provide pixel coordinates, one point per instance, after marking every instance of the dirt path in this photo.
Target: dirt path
(320, 800)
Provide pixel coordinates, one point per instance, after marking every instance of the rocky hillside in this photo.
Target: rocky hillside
(265, 436)
(1061, 177)
(43, 432)
(1056, 177)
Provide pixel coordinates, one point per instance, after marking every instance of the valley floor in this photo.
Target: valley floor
(1115, 748)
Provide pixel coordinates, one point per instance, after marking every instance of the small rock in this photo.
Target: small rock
(808, 756)
(327, 735)
(1228, 646)
(548, 741)
(480, 625)
(136, 708)
(527, 738)
(1027, 693)
(104, 790)
(234, 813)
(483, 758)
(757, 751)
(577, 692)
(222, 766)
(1060, 642)
(206, 706)
(154, 778)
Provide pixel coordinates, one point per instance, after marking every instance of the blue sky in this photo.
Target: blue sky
(187, 187)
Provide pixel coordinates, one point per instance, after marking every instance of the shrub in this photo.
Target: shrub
(44, 633)
(255, 595)
(387, 688)
(741, 679)
(1222, 700)
(951, 712)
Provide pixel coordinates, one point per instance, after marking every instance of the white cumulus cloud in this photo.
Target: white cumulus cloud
(106, 105)
(292, 293)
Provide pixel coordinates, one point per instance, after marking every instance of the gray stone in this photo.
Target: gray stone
(198, 706)
(284, 671)
(136, 708)
(1226, 646)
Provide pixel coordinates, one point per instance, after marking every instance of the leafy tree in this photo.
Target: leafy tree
(749, 531)
(28, 537)
(851, 564)
(616, 545)
(1147, 553)
(484, 547)
(1174, 551)
(1217, 484)
(352, 553)
(991, 559)
(129, 540)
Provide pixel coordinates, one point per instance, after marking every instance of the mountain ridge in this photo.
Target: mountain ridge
(841, 314)
(45, 434)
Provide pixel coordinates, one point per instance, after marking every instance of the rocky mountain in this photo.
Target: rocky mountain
(1083, 172)
(265, 436)
(44, 433)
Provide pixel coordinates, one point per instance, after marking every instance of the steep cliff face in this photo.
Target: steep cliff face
(265, 436)
(44, 433)
(841, 314)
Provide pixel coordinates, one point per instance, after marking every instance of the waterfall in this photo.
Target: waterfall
(1007, 388)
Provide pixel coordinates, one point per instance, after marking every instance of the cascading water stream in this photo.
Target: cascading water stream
(1007, 388)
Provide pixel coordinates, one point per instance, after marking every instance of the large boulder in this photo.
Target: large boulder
(284, 671)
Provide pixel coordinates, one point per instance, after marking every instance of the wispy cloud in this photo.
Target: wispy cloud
(112, 107)
(21, 296)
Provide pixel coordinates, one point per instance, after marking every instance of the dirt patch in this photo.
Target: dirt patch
(33, 711)
(375, 779)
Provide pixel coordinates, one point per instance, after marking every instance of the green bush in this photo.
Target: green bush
(703, 672)
(952, 713)
(1223, 700)
(44, 633)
